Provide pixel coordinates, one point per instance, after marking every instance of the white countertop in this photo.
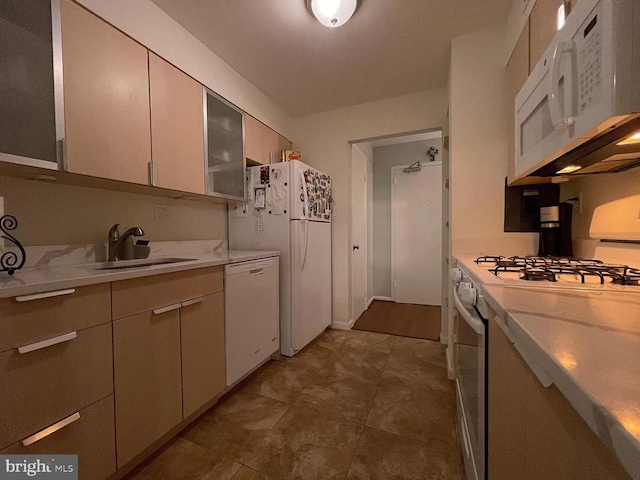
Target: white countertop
(587, 343)
(36, 280)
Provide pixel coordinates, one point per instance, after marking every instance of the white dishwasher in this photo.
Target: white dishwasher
(252, 315)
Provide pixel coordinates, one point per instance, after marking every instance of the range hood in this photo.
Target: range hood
(613, 149)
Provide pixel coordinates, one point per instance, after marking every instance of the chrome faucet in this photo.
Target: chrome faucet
(121, 246)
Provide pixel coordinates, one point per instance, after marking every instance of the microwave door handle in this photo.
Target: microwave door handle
(570, 81)
(556, 110)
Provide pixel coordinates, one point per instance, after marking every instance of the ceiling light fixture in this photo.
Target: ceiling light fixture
(332, 13)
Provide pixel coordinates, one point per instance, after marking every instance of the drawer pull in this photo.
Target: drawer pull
(257, 271)
(49, 430)
(192, 301)
(47, 343)
(166, 309)
(39, 296)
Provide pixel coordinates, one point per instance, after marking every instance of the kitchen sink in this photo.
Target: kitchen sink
(145, 262)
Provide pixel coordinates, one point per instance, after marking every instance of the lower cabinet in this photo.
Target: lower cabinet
(89, 435)
(105, 371)
(534, 432)
(148, 389)
(56, 372)
(203, 354)
(169, 361)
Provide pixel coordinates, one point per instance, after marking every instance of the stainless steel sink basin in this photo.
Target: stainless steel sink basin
(145, 262)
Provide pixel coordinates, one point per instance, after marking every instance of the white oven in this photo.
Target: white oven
(469, 359)
(583, 97)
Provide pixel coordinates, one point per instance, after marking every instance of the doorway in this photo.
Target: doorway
(383, 275)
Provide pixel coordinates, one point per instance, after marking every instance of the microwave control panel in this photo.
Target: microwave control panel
(589, 50)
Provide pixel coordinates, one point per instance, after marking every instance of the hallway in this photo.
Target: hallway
(354, 405)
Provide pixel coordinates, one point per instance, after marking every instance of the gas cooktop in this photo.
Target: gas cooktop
(560, 269)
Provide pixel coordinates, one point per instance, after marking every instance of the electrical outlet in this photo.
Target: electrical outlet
(161, 212)
(241, 210)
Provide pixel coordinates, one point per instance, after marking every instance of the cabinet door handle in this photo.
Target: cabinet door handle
(47, 343)
(49, 430)
(166, 309)
(193, 301)
(257, 271)
(38, 296)
(152, 173)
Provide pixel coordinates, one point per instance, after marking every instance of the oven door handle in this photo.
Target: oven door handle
(474, 323)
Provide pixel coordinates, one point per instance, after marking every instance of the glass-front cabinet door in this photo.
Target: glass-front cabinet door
(224, 148)
(31, 116)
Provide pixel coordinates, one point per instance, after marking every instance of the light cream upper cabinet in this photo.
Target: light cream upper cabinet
(106, 99)
(262, 144)
(203, 353)
(177, 128)
(516, 74)
(253, 141)
(544, 25)
(283, 144)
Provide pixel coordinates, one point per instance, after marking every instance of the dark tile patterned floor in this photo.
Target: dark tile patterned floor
(352, 405)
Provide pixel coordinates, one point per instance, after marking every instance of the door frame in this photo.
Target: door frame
(364, 247)
(393, 221)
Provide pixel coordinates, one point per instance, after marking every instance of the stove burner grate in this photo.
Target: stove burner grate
(554, 269)
(630, 276)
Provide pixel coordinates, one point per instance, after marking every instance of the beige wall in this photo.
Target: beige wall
(324, 138)
(478, 147)
(383, 159)
(144, 21)
(596, 190)
(50, 214)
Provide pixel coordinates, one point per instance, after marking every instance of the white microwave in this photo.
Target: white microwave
(578, 112)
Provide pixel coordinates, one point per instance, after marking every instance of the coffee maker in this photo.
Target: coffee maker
(555, 231)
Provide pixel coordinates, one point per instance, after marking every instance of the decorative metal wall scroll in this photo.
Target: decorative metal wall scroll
(11, 261)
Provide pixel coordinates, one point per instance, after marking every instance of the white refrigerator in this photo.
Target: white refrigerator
(289, 209)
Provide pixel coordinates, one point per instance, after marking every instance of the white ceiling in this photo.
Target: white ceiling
(388, 48)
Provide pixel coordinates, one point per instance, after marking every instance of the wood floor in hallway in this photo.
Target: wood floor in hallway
(352, 405)
(404, 319)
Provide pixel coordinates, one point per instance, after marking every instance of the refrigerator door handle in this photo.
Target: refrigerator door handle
(306, 243)
(303, 183)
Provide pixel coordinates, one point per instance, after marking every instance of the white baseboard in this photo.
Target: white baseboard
(382, 299)
(370, 302)
(342, 325)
